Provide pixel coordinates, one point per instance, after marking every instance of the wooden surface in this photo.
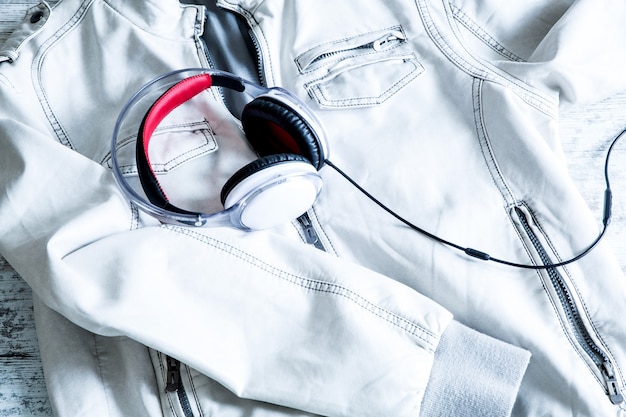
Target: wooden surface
(586, 133)
(22, 387)
(22, 390)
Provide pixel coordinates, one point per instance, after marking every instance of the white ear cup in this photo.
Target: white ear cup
(275, 194)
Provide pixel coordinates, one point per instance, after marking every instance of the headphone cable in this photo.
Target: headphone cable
(474, 253)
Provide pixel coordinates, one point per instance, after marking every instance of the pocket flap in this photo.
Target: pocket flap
(171, 146)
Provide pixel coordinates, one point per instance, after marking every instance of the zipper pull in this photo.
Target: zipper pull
(310, 235)
(390, 37)
(172, 382)
(611, 382)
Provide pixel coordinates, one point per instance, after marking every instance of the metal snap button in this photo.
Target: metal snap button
(36, 17)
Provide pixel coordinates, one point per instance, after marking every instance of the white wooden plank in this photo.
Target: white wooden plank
(586, 133)
(22, 386)
(11, 12)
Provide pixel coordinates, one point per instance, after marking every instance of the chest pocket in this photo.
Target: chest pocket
(192, 139)
(360, 71)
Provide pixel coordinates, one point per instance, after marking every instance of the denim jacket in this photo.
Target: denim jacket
(444, 110)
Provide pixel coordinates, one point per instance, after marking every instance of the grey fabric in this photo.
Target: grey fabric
(478, 374)
(229, 48)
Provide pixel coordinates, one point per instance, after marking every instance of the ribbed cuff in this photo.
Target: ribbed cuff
(473, 375)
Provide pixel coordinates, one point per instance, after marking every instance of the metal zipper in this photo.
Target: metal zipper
(259, 58)
(173, 384)
(207, 55)
(209, 60)
(310, 234)
(387, 41)
(598, 356)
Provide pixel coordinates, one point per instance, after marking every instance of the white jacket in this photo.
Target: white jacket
(446, 111)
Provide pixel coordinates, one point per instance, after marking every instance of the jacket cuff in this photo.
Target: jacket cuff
(473, 375)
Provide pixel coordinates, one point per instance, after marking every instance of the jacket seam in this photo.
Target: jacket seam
(314, 85)
(483, 35)
(485, 145)
(194, 391)
(134, 217)
(105, 389)
(40, 56)
(321, 230)
(532, 97)
(42, 53)
(396, 320)
(143, 29)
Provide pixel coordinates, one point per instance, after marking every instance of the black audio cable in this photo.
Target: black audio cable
(474, 253)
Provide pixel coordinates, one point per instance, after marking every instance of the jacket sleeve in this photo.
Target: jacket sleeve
(319, 334)
(581, 56)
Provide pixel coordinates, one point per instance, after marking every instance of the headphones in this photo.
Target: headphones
(282, 184)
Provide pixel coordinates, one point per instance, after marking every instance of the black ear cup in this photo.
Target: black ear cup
(255, 167)
(272, 127)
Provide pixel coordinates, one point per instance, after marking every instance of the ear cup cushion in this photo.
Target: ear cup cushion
(271, 127)
(257, 166)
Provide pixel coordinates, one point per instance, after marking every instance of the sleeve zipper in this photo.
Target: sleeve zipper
(173, 384)
(310, 234)
(584, 340)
